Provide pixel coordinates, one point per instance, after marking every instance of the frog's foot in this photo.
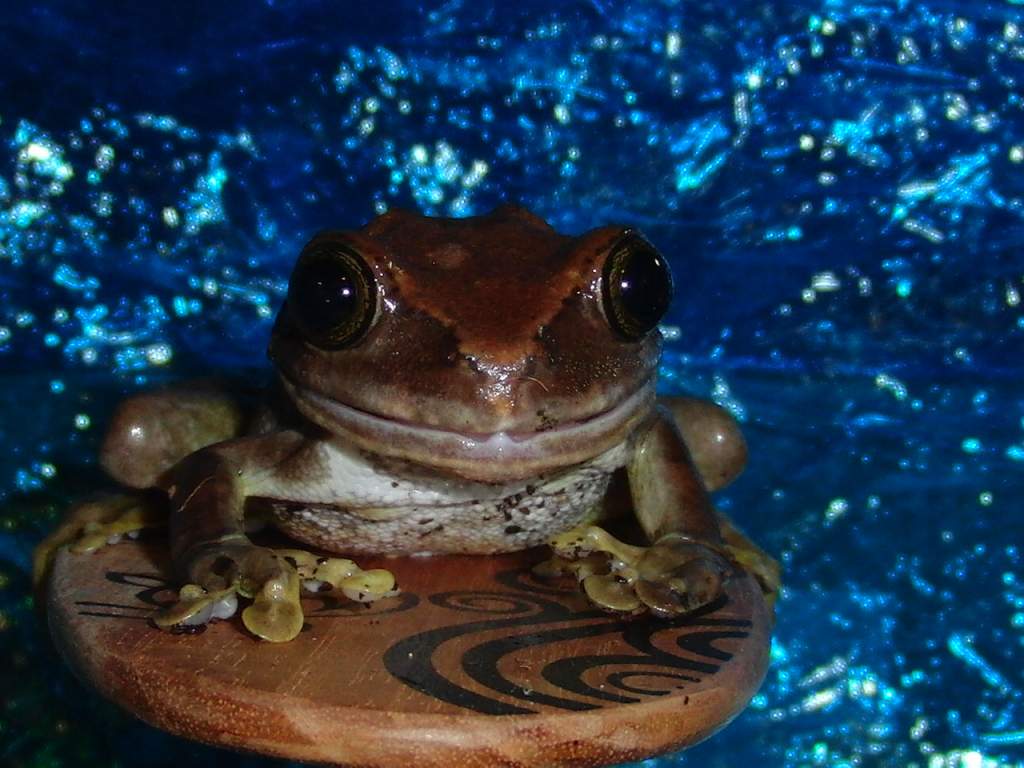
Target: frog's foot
(273, 579)
(235, 567)
(673, 576)
(321, 574)
(197, 607)
(754, 560)
(93, 524)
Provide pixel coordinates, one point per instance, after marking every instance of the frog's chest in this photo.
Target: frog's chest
(362, 504)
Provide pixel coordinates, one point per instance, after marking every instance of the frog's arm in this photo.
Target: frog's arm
(212, 553)
(209, 547)
(667, 474)
(690, 554)
(719, 453)
(669, 498)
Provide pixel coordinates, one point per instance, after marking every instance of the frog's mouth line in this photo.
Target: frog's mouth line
(490, 457)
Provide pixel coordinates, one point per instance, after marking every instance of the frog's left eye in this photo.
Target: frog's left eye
(332, 296)
(637, 287)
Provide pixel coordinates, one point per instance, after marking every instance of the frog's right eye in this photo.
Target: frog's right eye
(332, 295)
(637, 287)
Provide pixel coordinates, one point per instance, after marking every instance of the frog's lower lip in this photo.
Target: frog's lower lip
(493, 457)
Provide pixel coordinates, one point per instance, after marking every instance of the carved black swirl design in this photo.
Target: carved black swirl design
(618, 679)
(488, 627)
(148, 597)
(411, 659)
(569, 673)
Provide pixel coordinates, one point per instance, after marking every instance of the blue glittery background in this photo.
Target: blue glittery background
(839, 185)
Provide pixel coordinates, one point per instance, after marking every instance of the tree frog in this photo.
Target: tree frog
(469, 385)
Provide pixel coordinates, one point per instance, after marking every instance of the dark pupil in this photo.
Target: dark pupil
(644, 288)
(327, 296)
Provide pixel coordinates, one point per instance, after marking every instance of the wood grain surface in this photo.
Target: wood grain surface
(476, 663)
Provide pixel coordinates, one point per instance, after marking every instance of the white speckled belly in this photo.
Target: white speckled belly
(377, 507)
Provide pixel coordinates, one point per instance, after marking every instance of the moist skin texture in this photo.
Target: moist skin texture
(490, 334)
(484, 407)
(490, 395)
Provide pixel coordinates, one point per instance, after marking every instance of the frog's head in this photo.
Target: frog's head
(490, 347)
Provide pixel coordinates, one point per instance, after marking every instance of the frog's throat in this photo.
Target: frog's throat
(491, 458)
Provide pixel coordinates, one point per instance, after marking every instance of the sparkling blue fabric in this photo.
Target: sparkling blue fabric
(838, 185)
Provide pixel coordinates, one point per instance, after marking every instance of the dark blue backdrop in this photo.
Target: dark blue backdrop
(839, 186)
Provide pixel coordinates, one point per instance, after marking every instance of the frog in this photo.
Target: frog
(474, 385)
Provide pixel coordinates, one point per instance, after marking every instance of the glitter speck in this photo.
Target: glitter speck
(673, 44)
(971, 445)
(38, 152)
(104, 158)
(825, 282)
(159, 354)
(836, 509)
(170, 216)
(892, 385)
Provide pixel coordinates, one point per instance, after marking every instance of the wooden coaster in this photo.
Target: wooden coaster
(477, 663)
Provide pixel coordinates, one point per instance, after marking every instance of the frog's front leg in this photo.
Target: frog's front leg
(209, 548)
(719, 452)
(211, 552)
(687, 562)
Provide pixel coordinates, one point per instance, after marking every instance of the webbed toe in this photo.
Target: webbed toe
(93, 524)
(273, 579)
(673, 576)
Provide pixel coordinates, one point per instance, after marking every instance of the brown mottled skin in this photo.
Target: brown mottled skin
(488, 324)
(490, 366)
